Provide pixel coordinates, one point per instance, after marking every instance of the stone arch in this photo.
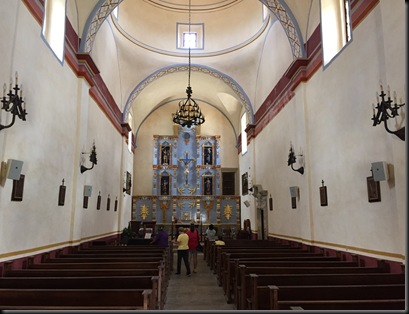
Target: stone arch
(238, 91)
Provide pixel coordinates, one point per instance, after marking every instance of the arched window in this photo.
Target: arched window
(53, 30)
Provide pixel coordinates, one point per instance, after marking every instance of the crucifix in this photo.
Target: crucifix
(186, 161)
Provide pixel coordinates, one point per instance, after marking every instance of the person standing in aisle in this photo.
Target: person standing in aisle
(211, 233)
(183, 251)
(193, 244)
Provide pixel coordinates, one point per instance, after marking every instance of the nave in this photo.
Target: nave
(198, 292)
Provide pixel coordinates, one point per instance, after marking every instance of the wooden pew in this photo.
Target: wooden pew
(281, 297)
(266, 277)
(106, 282)
(348, 305)
(235, 273)
(81, 272)
(210, 247)
(156, 268)
(76, 299)
(224, 257)
(231, 278)
(217, 250)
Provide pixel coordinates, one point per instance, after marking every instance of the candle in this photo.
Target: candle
(11, 83)
(389, 92)
(377, 97)
(394, 96)
(24, 107)
(21, 90)
(380, 83)
(373, 109)
(4, 90)
(16, 78)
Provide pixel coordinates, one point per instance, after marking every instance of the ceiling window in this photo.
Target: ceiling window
(189, 36)
(336, 30)
(190, 40)
(53, 29)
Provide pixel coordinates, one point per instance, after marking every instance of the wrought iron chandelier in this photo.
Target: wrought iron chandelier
(188, 113)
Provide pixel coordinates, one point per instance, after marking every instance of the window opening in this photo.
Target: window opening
(243, 134)
(53, 29)
(336, 30)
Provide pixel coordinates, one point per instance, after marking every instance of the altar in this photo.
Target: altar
(186, 183)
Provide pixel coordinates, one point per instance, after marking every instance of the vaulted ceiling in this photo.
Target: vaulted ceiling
(154, 71)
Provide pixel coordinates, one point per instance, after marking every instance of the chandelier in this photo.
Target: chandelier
(188, 113)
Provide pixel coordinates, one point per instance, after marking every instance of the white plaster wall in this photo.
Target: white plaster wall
(105, 55)
(62, 122)
(246, 162)
(330, 119)
(274, 62)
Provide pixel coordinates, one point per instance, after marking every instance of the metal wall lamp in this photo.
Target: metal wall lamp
(292, 160)
(13, 103)
(92, 159)
(386, 110)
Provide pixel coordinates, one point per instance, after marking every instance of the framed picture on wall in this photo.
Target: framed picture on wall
(323, 196)
(18, 188)
(374, 190)
(245, 183)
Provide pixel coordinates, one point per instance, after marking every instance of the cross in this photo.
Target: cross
(186, 162)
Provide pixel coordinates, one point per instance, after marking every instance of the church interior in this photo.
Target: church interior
(123, 116)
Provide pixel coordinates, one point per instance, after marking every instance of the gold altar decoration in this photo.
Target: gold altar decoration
(228, 211)
(164, 206)
(192, 204)
(192, 191)
(208, 205)
(144, 211)
(181, 190)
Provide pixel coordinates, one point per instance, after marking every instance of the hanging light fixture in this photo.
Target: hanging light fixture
(188, 113)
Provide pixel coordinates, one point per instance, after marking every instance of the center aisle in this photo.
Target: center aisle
(197, 292)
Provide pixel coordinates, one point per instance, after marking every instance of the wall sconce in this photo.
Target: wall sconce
(13, 104)
(92, 159)
(385, 110)
(292, 159)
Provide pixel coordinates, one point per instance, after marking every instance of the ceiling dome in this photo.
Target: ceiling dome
(156, 24)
